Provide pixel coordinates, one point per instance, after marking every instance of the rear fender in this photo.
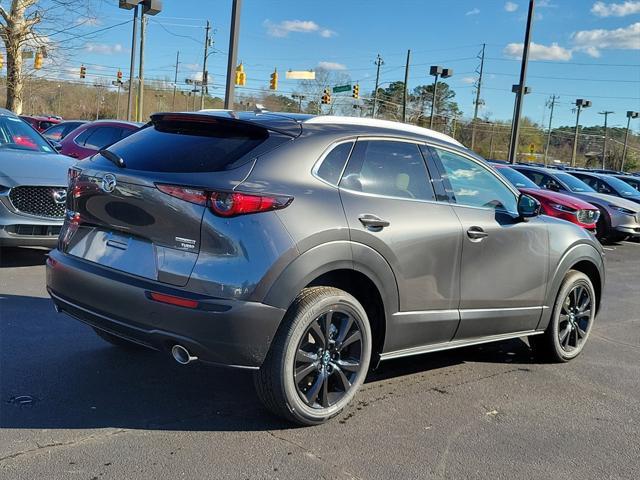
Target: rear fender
(578, 253)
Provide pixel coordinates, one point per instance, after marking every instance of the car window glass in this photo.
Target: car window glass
(543, 181)
(389, 168)
(101, 137)
(474, 185)
(80, 139)
(55, 133)
(333, 163)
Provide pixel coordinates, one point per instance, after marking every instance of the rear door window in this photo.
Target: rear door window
(55, 133)
(388, 168)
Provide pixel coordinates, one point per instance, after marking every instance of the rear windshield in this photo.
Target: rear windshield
(180, 146)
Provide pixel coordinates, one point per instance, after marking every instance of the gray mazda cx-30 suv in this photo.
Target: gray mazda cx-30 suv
(310, 248)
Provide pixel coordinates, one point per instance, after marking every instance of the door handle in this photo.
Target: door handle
(371, 221)
(476, 233)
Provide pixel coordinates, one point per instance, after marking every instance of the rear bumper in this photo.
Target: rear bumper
(224, 332)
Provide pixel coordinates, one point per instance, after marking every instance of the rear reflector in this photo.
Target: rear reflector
(171, 300)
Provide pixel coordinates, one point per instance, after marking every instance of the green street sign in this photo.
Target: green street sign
(342, 88)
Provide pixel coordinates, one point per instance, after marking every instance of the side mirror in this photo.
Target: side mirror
(528, 207)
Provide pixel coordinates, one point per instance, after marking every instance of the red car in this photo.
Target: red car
(554, 204)
(87, 139)
(40, 123)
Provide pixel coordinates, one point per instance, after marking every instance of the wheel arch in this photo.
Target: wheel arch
(355, 268)
(584, 258)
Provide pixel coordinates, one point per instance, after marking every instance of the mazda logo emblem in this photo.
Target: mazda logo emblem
(109, 183)
(59, 196)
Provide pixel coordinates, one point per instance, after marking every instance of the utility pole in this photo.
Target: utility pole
(175, 82)
(630, 115)
(515, 127)
(204, 64)
(134, 38)
(406, 80)
(233, 54)
(551, 104)
(140, 113)
(493, 127)
(580, 104)
(478, 101)
(378, 63)
(606, 114)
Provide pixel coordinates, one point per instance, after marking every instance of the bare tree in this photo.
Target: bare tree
(29, 25)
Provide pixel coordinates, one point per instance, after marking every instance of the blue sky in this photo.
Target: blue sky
(583, 49)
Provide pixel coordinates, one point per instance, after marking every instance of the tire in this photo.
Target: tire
(603, 227)
(571, 320)
(299, 347)
(118, 341)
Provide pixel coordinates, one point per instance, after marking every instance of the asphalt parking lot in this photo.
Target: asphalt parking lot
(74, 407)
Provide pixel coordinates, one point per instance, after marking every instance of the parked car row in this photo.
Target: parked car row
(616, 200)
(33, 171)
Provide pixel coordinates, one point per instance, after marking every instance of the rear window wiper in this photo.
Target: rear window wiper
(112, 157)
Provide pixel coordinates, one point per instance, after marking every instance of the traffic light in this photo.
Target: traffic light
(273, 84)
(37, 63)
(356, 91)
(1, 61)
(83, 72)
(241, 77)
(119, 76)
(326, 96)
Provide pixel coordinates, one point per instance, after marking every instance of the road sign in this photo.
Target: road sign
(342, 88)
(532, 148)
(300, 75)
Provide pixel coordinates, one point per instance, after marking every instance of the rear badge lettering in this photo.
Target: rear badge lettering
(186, 243)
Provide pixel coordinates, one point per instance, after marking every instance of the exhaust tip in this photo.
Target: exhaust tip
(182, 355)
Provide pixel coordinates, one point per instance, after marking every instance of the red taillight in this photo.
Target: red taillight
(227, 204)
(171, 300)
(232, 204)
(187, 194)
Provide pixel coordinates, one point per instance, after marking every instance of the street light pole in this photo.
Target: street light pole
(515, 126)
(134, 37)
(580, 104)
(630, 115)
(233, 54)
(140, 113)
(437, 71)
(606, 114)
(404, 92)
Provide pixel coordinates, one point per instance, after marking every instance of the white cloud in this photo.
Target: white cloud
(192, 67)
(103, 48)
(602, 9)
(546, 4)
(469, 80)
(285, 27)
(474, 11)
(592, 41)
(539, 52)
(331, 66)
(511, 7)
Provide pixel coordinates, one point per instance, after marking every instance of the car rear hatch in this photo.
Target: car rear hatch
(138, 206)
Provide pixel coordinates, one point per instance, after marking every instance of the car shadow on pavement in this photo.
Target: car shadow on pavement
(55, 373)
(22, 257)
